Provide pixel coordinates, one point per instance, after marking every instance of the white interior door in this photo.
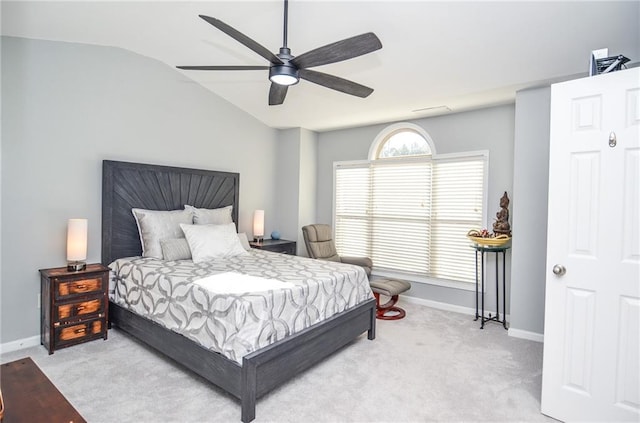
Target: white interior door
(591, 365)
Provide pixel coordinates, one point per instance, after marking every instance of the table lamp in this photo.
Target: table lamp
(258, 225)
(76, 245)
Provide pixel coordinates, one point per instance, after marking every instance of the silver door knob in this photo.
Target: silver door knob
(559, 270)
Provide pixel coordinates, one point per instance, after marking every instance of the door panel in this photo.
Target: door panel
(587, 114)
(584, 203)
(631, 208)
(627, 387)
(578, 346)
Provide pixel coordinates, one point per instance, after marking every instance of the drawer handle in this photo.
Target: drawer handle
(80, 330)
(80, 307)
(81, 286)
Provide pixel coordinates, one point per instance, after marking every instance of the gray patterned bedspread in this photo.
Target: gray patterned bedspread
(238, 324)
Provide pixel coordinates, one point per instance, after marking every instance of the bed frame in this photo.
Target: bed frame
(128, 185)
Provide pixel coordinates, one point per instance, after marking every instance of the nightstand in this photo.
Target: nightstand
(74, 306)
(276, 246)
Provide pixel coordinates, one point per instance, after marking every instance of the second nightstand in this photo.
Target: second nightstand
(74, 306)
(283, 246)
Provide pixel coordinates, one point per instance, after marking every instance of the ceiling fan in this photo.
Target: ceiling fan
(286, 69)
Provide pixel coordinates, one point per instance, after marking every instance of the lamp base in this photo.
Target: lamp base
(258, 239)
(76, 266)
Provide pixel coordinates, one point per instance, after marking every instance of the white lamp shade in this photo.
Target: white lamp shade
(258, 223)
(77, 240)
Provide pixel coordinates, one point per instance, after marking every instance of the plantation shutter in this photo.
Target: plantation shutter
(458, 198)
(411, 215)
(352, 203)
(401, 206)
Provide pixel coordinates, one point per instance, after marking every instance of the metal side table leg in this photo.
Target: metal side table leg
(482, 319)
(504, 289)
(477, 281)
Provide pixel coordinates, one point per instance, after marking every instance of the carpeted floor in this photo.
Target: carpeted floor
(432, 366)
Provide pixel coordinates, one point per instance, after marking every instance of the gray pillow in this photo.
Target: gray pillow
(154, 225)
(175, 249)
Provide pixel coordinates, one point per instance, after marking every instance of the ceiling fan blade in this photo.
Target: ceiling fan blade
(335, 83)
(243, 39)
(223, 68)
(277, 93)
(339, 51)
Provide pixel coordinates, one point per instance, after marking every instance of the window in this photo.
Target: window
(403, 142)
(409, 209)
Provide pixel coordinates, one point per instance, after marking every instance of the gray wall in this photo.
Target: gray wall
(296, 183)
(530, 186)
(486, 129)
(288, 183)
(307, 206)
(65, 108)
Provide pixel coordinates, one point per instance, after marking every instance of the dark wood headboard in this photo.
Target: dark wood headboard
(128, 185)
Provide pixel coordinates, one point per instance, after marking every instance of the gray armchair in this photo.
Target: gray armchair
(318, 239)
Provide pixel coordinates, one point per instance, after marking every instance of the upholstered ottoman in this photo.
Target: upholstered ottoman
(389, 288)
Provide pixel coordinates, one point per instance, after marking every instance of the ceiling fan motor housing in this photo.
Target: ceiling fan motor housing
(285, 73)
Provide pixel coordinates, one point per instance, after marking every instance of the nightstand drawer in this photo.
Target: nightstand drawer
(78, 309)
(79, 332)
(67, 288)
(282, 246)
(284, 249)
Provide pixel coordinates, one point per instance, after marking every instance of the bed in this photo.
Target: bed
(247, 376)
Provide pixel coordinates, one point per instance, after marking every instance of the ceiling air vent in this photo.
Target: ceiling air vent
(435, 109)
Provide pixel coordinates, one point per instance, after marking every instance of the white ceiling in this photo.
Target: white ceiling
(462, 55)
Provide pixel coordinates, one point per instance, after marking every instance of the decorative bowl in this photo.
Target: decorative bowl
(490, 242)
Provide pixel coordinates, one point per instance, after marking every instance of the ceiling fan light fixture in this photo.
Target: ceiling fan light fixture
(284, 75)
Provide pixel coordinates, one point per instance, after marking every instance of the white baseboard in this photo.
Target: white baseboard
(438, 305)
(19, 344)
(445, 306)
(525, 334)
(516, 333)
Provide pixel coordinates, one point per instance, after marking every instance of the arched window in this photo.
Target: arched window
(401, 140)
(409, 209)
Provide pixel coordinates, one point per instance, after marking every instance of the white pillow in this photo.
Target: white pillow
(244, 241)
(154, 225)
(209, 242)
(210, 216)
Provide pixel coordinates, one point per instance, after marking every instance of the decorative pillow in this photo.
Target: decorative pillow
(175, 249)
(244, 241)
(213, 241)
(210, 216)
(154, 225)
